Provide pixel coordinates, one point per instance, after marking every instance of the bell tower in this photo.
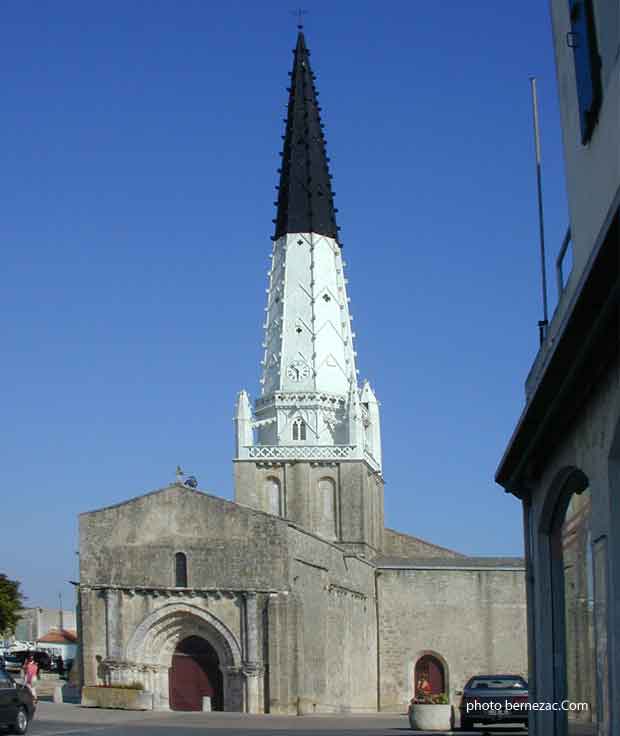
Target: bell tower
(310, 448)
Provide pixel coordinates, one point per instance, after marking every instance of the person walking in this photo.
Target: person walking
(30, 670)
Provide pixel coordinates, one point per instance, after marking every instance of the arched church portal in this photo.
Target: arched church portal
(193, 654)
(195, 674)
(430, 675)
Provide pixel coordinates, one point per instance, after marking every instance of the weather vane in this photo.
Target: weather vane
(299, 14)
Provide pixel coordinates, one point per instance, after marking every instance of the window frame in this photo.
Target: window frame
(180, 557)
(299, 430)
(582, 38)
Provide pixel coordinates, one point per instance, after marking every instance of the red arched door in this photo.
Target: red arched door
(195, 674)
(430, 669)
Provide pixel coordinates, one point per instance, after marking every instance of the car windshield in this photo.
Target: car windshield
(497, 683)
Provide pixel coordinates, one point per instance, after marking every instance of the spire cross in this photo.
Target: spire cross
(299, 13)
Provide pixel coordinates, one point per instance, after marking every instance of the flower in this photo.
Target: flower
(423, 698)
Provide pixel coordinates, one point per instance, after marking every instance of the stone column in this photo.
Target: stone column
(233, 689)
(251, 628)
(89, 645)
(253, 673)
(111, 623)
(251, 666)
(161, 696)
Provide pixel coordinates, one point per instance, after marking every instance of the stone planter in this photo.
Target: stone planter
(430, 717)
(117, 697)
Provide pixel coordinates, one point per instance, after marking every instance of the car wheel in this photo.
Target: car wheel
(21, 723)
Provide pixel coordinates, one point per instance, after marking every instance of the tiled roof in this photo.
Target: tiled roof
(59, 636)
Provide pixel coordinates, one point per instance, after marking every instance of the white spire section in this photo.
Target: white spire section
(310, 405)
(308, 340)
(372, 421)
(243, 422)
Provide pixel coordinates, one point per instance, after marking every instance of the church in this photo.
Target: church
(294, 598)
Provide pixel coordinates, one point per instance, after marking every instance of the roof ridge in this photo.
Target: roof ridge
(425, 541)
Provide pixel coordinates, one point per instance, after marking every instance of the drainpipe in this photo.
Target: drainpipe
(378, 645)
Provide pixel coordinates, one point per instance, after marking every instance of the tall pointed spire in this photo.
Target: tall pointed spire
(309, 406)
(305, 201)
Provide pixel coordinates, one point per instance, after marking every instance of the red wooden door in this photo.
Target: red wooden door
(189, 683)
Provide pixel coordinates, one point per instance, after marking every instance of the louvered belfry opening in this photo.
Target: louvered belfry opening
(305, 200)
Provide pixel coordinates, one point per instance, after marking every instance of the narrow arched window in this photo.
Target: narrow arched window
(180, 570)
(299, 429)
(272, 499)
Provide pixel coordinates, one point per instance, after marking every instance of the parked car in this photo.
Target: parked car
(43, 659)
(12, 663)
(491, 699)
(17, 705)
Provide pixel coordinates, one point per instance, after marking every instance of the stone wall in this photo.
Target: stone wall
(473, 619)
(227, 546)
(328, 624)
(358, 509)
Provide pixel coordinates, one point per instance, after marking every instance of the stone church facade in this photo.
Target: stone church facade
(294, 598)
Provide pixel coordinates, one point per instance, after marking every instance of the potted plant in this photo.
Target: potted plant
(430, 712)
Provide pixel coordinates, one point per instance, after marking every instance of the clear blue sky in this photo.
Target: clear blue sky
(140, 145)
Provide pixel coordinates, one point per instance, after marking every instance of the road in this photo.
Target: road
(71, 720)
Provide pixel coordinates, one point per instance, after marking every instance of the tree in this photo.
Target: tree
(11, 603)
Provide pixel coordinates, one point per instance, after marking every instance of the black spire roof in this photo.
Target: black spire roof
(305, 201)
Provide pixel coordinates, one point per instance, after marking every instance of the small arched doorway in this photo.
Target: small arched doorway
(429, 669)
(195, 673)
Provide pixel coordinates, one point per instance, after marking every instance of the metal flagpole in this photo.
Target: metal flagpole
(542, 325)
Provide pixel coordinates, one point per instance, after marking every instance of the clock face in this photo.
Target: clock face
(298, 370)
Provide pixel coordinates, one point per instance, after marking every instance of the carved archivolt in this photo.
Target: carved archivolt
(155, 639)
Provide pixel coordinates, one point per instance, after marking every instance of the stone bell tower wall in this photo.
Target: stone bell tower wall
(339, 501)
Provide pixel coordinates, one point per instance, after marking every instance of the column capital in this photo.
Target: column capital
(253, 669)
